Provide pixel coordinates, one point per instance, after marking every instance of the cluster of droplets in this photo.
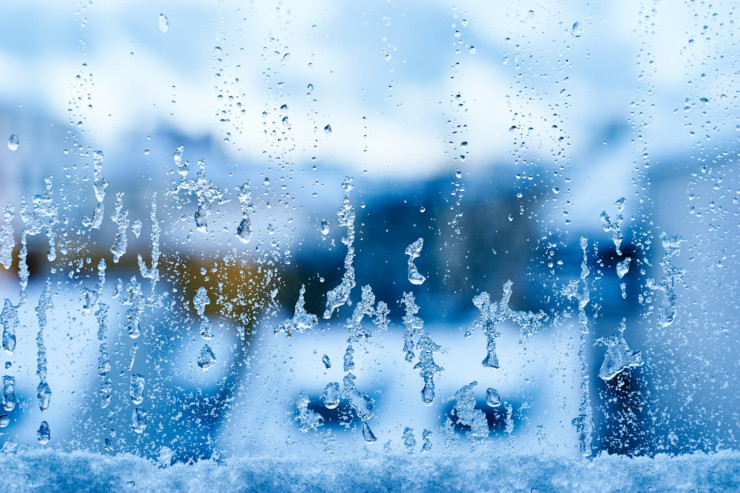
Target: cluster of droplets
(340, 294)
(43, 391)
(414, 251)
(357, 331)
(307, 418)
(615, 227)
(301, 321)
(466, 415)
(415, 336)
(11, 324)
(206, 192)
(206, 358)
(152, 273)
(120, 218)
(580, 291)
(618, 356)
(244, 230)
(42, 214)
(493, 314)
(7, 238)
(101, 315)
(99, 186)
(134, 299)
(672, 275)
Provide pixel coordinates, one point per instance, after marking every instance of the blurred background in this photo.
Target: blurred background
(497, 133)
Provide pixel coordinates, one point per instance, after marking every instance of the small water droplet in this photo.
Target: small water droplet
(164, 23)
(327, 129)
(13, 142)
(472, 50)
(324, 227)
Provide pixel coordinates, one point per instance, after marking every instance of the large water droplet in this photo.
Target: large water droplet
(164, 23)
(623, 267)
(43, 392)
(207, 359)
(492, 398)
(136, 391)
(138, 420)
(44, 433)
(13, 142)
(324, 227)
(577, 29)
(331, 395)
(8, 397)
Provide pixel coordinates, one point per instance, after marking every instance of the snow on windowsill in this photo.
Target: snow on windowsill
(81, 471)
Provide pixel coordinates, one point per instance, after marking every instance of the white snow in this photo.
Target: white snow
(80, 471)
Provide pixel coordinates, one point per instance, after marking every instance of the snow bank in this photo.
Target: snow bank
(80, 471)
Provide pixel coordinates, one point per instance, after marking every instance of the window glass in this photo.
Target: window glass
(352, 230)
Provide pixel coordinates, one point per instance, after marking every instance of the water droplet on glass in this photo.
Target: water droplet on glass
(4, 420)
(331, 395)
(138, 420)
(207, 359)
(44, 433)
(13, 142)
(472, 50)
(408, 439)
(43, 392)
(414, 251)
(577, 29)
(136, 391)
(327, 129)
(8, 397)
(492, 398)
(623, 267)
(324, 227)
(164, 23)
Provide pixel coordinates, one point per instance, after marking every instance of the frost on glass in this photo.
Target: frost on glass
(425, 233)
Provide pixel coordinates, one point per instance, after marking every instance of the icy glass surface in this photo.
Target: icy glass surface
(338, 245)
